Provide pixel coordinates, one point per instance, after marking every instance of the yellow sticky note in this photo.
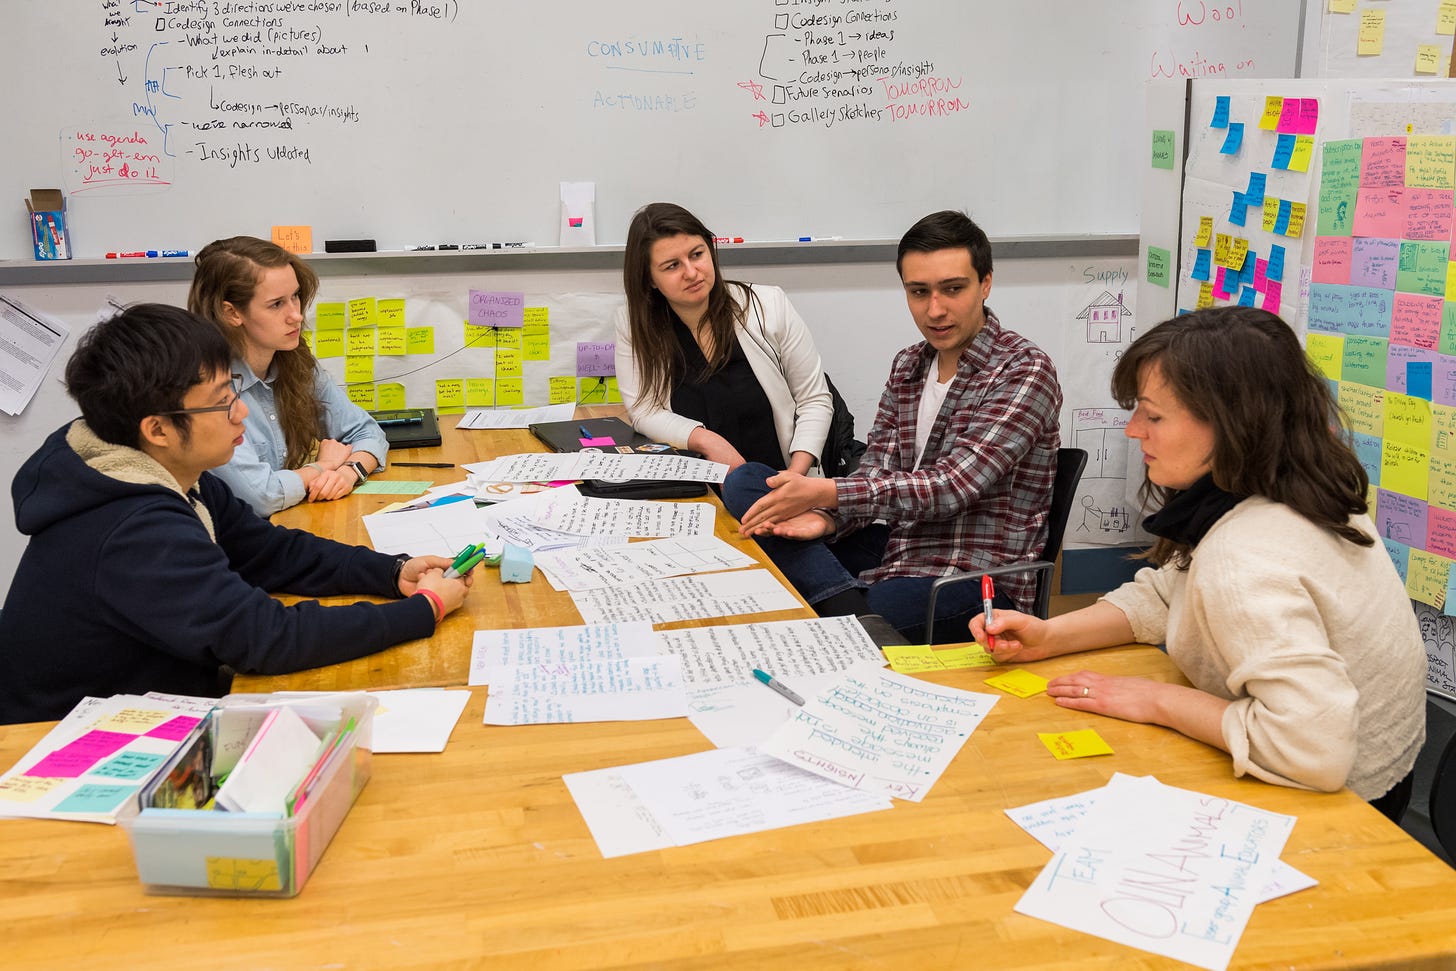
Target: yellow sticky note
(420, 340)
(1273, 109)
(1205, 295)
(389, 397)
(508, 362)
(479, 392)
(912, 658)
(1428, 59)
(1271, 213)
(308, 339)
(1443, 430)
(295, 239)
(536, 347)
(1441, 487)
(510, 391)
(1022, 684)
(1371, 496)
(1223, 244)
(330, 316)
(968, 656)
(1238, 252)
(1372, 33)
(1430, 161)
(1426, 577)
(1405, 469)
(361, 341)
(231, 873)
(1407, 419)
(561, 389)
(392, 342)
(450, 396)
(1327, 352)
(1364, 406)
(535, 318)
(361, 312)
(363, 395)
(1446, 18)
(1342, 6)
(1296, 219)
(1303, 150)
(1205, 231)
(477, 337)
(359, 368)
(134, 721)
(508, 337)
(328, 343)
(390, 313)
(1074, 745)
(27, 788)
(597, 391)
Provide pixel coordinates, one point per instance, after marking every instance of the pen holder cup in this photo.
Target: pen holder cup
(211, 852)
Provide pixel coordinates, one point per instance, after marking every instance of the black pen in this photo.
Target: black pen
(422, 465)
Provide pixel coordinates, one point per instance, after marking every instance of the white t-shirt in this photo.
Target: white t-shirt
(930, 401)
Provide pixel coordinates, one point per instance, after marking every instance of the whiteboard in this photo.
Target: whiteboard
(421, 121)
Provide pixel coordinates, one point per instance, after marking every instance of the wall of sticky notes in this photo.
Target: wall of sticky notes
(1374, 39)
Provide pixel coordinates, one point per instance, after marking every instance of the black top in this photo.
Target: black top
(730, 401)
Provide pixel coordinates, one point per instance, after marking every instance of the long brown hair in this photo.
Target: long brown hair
(660, 361)
(228, 271)
(1277, 429)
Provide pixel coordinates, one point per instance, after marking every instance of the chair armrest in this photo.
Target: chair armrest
(1035, 566)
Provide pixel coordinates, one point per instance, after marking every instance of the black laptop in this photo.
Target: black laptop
(568, 436)
(409, 427)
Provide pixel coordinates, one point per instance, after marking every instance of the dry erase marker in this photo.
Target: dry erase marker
(727, 239)
(416, 249)
(817, 239)
(778, 686)
(512, 245)
(139, 255)
(988, 593)
(154, 253)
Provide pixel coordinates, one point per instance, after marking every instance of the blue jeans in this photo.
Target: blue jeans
(819, 570)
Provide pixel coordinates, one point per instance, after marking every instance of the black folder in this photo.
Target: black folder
(566, 436)
(410, 427)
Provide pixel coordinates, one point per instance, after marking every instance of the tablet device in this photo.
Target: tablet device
(409, 427)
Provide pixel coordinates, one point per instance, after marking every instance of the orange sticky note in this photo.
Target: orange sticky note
(1074, 745)
(295, 239)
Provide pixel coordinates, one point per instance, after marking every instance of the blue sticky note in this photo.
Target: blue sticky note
(1355, 311)
(1418, 379)
(1238, 209)
(1234, 139)
(129, 765)
(1275, 270)
(1258, 181)
(95, 799)
(1203, 265)
(1283, 151)
(1220, 112)
(1281, 224)
(1367, 450)
(1246, 297)
(1247, 274)
(1400, 556)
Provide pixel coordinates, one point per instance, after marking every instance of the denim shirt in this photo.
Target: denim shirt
(256, 473)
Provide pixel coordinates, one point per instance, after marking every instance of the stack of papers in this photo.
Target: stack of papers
(557, 466)
(92, 764)
(277, 758)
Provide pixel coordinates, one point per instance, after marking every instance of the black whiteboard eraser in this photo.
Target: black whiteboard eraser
(349, 246)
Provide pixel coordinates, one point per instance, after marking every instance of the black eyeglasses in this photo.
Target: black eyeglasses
(229, 407)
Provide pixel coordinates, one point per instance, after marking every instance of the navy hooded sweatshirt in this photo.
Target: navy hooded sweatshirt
(124, 589)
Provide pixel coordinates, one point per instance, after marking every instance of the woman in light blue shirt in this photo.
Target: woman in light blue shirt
(303, 438)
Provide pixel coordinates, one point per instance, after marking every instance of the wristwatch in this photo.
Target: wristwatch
(358, 468)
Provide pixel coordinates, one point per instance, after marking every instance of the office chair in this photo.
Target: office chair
(1070, 463)
(1443, 799)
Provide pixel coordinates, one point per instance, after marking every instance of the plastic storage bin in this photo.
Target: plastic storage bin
(208, 852)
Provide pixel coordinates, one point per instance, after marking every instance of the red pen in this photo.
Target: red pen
(988, 593)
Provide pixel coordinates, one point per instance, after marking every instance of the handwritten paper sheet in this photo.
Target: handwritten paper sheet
(1053, 821)
(787, 649)
(880, 731)
(710, 795)
(1164, 870)
(686, 598)
(625, 689)
(516, 417)
(554, 466)
(432, 531)
(587, 516)
(748, 713)
(558, 645)
(416, 719)
(633, 563)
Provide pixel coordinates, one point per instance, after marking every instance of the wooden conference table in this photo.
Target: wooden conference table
(444, 659)
(477, 857)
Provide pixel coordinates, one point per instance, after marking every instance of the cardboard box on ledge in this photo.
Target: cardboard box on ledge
(48, 232)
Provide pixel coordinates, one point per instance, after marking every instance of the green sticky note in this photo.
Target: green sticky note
(1160, 266)
(392, 487)
(1164, 143)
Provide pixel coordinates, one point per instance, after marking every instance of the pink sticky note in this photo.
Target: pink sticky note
(1415, 320)
(1273, 292)
(1382, 163)
(1332, 259)
(1218, 287)
(1289, 116)
(1261, 274)
(1380, 211)
(1441, 532)
(1308, 116)
(176, 729)
(1428, 213)
(606, 441)
(74, 759)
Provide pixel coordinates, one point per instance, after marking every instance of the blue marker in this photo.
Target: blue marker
(154, 253)
(815, 239)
